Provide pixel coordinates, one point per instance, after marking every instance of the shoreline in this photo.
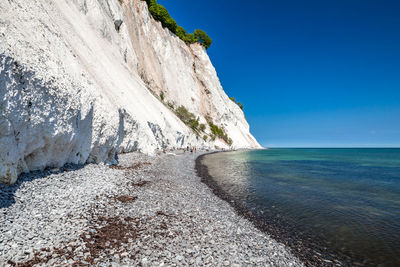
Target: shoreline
(311, 253)
(74, 215)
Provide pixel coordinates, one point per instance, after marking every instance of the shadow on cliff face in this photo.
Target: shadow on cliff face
(7, 192)
(47, 125)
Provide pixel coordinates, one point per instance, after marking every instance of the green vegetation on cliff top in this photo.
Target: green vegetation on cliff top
(161, 14)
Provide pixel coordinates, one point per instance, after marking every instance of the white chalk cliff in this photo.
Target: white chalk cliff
(76, 88)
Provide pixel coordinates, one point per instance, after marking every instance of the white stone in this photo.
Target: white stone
(75, 90)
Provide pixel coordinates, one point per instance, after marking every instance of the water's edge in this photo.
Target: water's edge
(308, 251)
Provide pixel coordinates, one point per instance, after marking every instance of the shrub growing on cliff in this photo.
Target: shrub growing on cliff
(219, 132)
(203, 38)
(161, 14)
(213, 137)
(238, 103)
(151, 2)
(184, 114)
(171, 24)
(171, 105)
(190, 38)
(188, 118)
(181, 33)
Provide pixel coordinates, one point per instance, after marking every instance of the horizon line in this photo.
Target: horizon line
(331, 147)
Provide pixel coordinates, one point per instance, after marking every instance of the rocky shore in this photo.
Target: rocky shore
(149, 211)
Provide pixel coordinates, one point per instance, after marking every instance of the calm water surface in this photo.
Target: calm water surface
(347, 198)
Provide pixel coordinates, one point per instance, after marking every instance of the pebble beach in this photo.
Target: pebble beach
(147, 211)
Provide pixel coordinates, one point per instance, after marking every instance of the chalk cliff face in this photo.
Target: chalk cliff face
(77, 86)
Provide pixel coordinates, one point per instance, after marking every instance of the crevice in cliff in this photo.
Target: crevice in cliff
(198, 75)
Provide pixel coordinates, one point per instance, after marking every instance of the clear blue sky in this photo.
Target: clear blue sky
(310, 73)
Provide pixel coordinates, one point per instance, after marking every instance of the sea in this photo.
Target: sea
(344, 201)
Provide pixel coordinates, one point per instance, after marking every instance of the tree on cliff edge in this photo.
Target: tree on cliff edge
(203, 38)
(161, 14)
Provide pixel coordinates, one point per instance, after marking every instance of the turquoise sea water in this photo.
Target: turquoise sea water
(348, 199)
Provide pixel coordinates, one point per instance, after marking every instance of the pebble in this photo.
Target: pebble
(179, 258)
(176, 218)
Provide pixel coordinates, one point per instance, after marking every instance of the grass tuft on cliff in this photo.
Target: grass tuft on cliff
(189, 119)
(237, 103)
(220, 133)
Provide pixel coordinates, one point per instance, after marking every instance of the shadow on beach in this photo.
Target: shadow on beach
(7, 192)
